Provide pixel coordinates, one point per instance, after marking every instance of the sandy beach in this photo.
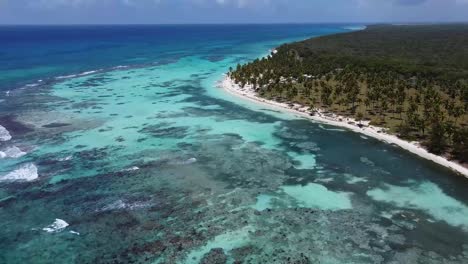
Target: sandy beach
(363, 128)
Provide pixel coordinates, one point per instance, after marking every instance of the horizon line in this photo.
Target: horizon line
(247, 23)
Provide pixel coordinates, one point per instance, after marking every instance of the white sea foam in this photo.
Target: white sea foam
(57, 226)
(66, 76)
(122, 205)
(4, 134)
(184, 162)
(11, 152)
(32, 85)
(67, 158)
(190, 161)
(119, 204)
(88, 72)
(27, 172)
(134, 168)
(76, 75)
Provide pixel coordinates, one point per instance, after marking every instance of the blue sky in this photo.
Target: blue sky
(228, 11)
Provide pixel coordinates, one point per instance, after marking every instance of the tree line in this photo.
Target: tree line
(412, 80)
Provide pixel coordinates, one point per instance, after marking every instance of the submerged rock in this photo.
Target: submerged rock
(55, 125)
(10, 125)
(164, 130)
(215, 256)
(306, 146)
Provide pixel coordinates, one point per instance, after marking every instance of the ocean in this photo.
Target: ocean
(118, 146)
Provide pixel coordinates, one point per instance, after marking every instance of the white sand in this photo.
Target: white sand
(371, 131)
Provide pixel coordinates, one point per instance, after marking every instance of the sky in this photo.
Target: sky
(229, 11)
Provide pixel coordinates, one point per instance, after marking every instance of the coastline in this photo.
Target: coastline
(344, 122)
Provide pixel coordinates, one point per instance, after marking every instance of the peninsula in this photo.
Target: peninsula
(403, 84)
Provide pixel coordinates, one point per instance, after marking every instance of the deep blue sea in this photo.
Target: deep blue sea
(118, 146)
(29, 53)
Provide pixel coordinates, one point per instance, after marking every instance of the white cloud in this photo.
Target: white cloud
(51, 4)
(57, 3)
(248, 3)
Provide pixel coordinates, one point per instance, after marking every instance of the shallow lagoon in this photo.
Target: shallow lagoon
(155, 164)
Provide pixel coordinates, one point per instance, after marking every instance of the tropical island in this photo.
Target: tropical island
(404, 84)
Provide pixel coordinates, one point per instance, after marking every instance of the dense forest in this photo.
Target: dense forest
(411, 79)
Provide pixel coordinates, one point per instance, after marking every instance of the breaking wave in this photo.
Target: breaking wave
(77, 75)
(184, 162)
(134, 168)
(27, 172)
(67, 158)
(11, 152)
(57, 226)
(4, 134)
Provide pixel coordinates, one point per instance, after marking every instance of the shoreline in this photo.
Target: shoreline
(378, 133)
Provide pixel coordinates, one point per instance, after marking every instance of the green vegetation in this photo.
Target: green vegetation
(411, 79)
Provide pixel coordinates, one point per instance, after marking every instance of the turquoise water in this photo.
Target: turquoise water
(153, 163)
